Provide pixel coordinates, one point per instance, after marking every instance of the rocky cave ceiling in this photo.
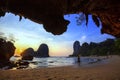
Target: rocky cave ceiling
(50, 13)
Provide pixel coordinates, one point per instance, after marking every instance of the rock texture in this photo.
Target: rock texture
(76, 47)
(50, 12)
(43, 51)
(27, 54)
(7, 50)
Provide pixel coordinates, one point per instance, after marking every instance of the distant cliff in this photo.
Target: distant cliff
(107, 47)
(76, 48)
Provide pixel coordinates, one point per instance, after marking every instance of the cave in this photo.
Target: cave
(50, 13)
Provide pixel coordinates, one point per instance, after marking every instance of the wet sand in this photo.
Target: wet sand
(105, 71)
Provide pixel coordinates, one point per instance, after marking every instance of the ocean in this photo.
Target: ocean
(62, 61)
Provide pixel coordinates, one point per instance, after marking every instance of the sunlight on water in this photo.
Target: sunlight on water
(59, 61)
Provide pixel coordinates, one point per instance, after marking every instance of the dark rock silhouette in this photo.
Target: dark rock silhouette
(103, 48)
(50, 13)
(20, 64)
(7, 50)
(27, 54)
(76, 47)
(43, 51)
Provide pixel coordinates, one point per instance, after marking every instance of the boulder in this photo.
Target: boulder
(43, 51)
(7, 50)
(27, 54)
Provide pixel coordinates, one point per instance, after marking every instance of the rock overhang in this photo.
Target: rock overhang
(50, 13)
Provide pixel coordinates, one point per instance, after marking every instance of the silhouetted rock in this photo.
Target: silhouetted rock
(7, 50)
(27, 54)
(22, 64)
(76, 47)
(51, 13)
(43, 51)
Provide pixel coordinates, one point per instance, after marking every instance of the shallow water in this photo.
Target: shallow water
(60, 61)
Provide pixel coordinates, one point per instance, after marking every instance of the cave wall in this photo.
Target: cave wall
(50, 13)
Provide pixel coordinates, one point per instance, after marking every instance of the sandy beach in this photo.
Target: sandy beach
(106, 71)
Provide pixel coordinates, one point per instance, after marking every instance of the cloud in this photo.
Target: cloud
(50, 39)
(1, 33)
(2, 36)
(11, 37)
(8, 37)
(83, 37)
(5, 38)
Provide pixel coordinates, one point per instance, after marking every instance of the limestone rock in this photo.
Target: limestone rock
(76, 47)
(43, 51)
(27, 54)
(7, 50)
(50, 13)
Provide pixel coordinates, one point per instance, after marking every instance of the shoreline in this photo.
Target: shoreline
(100, 71)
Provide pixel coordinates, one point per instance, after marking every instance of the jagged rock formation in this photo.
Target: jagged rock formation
(107, 47)
(43, 51)
(7, 50)
(50, 12)
(76, 47)
(27, 54)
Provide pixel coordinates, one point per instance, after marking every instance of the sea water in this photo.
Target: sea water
(59, 61)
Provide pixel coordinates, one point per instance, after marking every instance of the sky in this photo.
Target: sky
(30, 34)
